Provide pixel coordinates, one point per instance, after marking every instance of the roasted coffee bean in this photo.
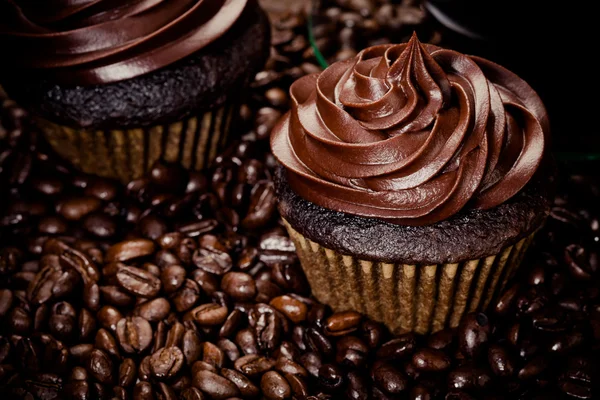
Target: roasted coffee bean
(441, 340)
(229, 349)
(293, 309)
(398, 348)
(129, 250)
(212, 259)
(245, 386)
(533, 368)
(474, 332)
(468, 377)
(100, 366)
(274, 386)
(109, 317)
(318, 342)
(358, 388)
(252, 365)
(134, 334)
(100, 225)
(166, 362)
(138, 282)
(116, 296)
(567, 342)
(246, 340)
(75, 208)
(213, 355)
(106, 341)
(388, 378)
(351, 352)
(214, 385)
(152, 227)
(127, 373)
(80, 352)
(143, 391)
(330, 377)
(240, 286)
(172, 277)
(430, 360)
(154, 310)
(231, 324)
(287, 366)
(191, 346)
(186, 297)
(209, 314)
(311, 362)
(500, 360)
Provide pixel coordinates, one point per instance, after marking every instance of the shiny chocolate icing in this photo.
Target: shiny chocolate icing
(411, 134)
(91, 42)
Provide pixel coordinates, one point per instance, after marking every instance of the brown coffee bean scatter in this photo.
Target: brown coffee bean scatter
(185, 285)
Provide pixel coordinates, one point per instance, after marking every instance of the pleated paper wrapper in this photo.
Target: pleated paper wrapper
(127, 154)
(407, 298)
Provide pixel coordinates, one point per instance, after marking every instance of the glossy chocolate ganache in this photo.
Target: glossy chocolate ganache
(89, 42)
(411, 134)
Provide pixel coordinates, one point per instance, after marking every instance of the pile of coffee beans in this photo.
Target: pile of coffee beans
(343, 27)
(184, 285)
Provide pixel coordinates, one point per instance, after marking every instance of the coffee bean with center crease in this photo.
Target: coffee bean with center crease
(398, 348)
(213, 259)
(216, 386)
(127, 372)
(209, 314)
(129, 250)
(138, 282)
(134, 334)
(100, 366)
(253, 365)
(166, 362)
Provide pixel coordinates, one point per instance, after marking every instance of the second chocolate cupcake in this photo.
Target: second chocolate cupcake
(411, 182)
(119, 85)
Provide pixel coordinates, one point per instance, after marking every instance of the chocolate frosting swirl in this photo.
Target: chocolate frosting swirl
(411, 134)
(90, 42)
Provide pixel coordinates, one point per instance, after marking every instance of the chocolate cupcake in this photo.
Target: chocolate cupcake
(412, 182)
(119, 85)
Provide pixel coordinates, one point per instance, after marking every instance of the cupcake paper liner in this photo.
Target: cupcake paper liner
(406, 298)
(128, 154)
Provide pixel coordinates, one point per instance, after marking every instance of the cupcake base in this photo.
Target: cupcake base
(128, 154)
(407, 298)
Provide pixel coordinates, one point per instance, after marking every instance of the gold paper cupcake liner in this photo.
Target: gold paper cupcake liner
(406, 298)
(128, 154)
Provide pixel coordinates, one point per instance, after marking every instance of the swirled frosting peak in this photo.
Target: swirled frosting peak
(88, 42)
(411, 134)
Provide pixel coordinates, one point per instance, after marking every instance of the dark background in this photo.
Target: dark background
(552, 45)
